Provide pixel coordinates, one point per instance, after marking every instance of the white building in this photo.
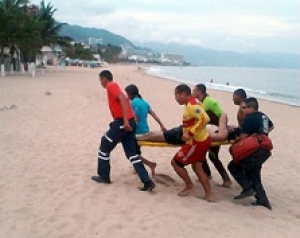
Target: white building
(95, 41)
(172, 58)
(50, 55)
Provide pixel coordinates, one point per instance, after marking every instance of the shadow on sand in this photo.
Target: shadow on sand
(164, 180)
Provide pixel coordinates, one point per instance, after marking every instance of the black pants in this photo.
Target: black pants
(213, 155)
(248, 173)
(110, 139)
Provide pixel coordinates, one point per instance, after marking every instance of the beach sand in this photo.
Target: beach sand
(50, 128)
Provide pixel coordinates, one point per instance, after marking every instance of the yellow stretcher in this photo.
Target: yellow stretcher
(165, 144)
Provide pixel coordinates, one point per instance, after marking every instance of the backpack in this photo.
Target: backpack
(247, 146)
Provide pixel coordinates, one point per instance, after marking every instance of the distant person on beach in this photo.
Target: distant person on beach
(248, 171)
(121, 129)
(197, 142)
(142, 109)
(214, 111)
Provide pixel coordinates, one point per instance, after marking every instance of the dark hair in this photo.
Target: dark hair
(106, 74)
(240, 92)
(133, 91)
(183, 88)
(201, 87)
(252, 102)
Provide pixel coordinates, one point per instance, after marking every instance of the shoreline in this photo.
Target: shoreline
(230, 90)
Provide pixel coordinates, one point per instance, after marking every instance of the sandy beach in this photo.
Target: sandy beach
(50, 128)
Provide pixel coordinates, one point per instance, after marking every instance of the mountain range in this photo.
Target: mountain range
(192, 54)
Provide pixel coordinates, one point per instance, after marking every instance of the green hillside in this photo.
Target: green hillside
(82, 34)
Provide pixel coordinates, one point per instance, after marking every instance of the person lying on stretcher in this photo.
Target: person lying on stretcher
(173, 136)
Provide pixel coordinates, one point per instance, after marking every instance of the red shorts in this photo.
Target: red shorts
(189, 154)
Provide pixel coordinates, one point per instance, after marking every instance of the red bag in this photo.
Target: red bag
(247, 146)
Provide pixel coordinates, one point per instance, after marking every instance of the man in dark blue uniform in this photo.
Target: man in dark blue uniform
(248, 172)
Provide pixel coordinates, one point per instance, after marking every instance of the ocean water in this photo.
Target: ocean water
(280, 85)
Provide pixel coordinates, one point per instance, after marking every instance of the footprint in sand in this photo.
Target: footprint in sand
(164, 180)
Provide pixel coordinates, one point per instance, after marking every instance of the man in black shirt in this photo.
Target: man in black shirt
(247, 172)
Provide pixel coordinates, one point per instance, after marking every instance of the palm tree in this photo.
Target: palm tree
(29, 39)
(50, 30)
(51, 27)
(11, 14)
(27, 28)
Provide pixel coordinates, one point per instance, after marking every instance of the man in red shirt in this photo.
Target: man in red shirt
(121, 129)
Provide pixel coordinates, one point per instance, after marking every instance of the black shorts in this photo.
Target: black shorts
(174, 135)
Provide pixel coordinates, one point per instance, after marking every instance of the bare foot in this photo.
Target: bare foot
(186, 191)
(226, 184)
(209, 198)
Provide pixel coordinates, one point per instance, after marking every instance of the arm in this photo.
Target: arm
(242, 136)
(154, 115)
(213, 110)
(124, 106)
(201, 119)
(222, 132)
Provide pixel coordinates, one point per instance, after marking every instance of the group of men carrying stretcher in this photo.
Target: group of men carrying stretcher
(217, 128)
(194, 138)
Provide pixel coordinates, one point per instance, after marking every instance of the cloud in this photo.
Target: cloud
(194, 22)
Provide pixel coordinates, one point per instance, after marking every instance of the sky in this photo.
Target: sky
(235, 25)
